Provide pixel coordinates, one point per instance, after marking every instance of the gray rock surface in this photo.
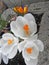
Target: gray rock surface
(44, 36)
(7, 13)
(38, 8)
(12, 3)
(2, 7)
(28, 2)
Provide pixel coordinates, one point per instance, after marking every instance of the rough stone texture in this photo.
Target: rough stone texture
(40, 7)
(44, 36)
(7, 13)
(28, 2)
(12, 3)
(2, 7)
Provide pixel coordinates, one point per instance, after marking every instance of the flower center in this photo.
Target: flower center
(20, 10)
(10, 41)
(29, 50)
(26, 29)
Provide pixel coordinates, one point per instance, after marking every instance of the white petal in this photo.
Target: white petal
(25, 56)
(17, 27)
(13, 26)
(40, 45)
(7, 36)
(21, 21)
(13, 52)
(35, 52)
(31, 22)
(33, 27)
(5, 59)
(16, 40)
(2, 43)
(29, 17)
(33, 37)
(7, 48)
(31, 62)
(21, 45)
(0, 57)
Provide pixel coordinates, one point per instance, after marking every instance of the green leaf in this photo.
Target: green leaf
(2, 24)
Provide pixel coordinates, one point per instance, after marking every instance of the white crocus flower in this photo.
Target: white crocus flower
(9, 47)
(22, 44)
(30, 50)
(31, 62)
(2, 43)
(24, 27)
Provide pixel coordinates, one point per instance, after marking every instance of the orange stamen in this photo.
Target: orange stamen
(10, 41)
(15, 9)
(29, 50)
(26, 29)
(20, 9)
(25, 9)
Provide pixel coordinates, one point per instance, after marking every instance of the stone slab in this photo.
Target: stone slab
(44, 36)
(28, 2)
(12, 3)
(6, 14)
(40, 7)
(2, 7)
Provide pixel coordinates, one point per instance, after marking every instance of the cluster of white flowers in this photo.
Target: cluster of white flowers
(25, 28)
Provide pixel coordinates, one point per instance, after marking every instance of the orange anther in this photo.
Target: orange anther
(10, 41)
(25, 9)
(26, 27)
(20, 9)
(29, 50)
